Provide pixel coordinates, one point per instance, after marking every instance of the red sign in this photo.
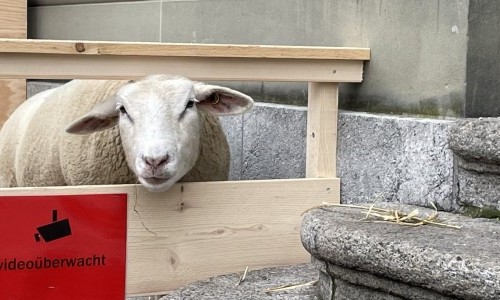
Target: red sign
(63, 247)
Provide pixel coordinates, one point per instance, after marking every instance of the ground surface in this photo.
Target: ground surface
(253, 287)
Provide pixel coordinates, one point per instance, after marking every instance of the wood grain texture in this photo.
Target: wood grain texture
(181, 50)
(12, 94)
(198, 230)
(322, 130)
(59, 66)
(12, 25)
(13, 14)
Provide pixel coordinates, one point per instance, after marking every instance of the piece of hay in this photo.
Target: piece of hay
(242, 278)
(393, 216)
(289, 287)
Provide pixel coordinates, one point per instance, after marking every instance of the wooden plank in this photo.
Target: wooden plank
(12, 94)
(123, 67)
(12, 25)
(13, 19)
(181, 50)
(58, 66)
(198, 230)
(322, 130)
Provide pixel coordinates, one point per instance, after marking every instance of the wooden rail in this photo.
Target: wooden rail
(38, 59)
(13, 14)
(227, 225)
(181, 50)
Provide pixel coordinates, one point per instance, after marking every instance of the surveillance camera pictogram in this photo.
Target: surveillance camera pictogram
(53, 231)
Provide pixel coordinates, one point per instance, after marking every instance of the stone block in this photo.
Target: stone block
(426, 164)
(274, 142)
(399, 159)
(233, 127)
(347, 291)
(326, 286)
(476, 142)
(368, 151)
(350, 282)
(35, 87)
(433, 260)
(479, 190)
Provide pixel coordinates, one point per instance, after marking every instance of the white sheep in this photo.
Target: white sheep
(168, 131)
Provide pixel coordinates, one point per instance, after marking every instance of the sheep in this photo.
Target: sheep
(168, 131)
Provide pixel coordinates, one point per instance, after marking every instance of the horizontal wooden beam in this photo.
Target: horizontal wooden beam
(180, 50)
(60, 66)
(198, 230)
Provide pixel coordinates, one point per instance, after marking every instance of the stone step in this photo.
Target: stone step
(476, 143)
(374, 260)
(252, 288)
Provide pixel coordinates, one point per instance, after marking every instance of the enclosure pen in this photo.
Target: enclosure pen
(203, 229)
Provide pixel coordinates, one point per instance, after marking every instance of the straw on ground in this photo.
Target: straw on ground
(392, 215)
(290, 287)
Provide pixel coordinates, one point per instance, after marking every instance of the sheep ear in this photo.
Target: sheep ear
(221, 100)
(104, 115)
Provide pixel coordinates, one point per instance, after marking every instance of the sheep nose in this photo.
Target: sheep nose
(155, 162)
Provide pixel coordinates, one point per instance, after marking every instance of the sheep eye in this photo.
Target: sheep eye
(190, 104)
(122, 109)
(124, 112)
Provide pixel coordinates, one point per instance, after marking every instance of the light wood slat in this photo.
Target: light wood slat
(181, 50)
(12, 94)
(13, 19)
(12, 25)
(198, 230)
(322, 130)
(53, 66)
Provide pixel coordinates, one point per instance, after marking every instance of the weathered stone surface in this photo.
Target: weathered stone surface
(274, 142)
(233, 127)
(399, 159)
(369, 147)
(35, 87)
(225, 287)
(478, 189)
(455, 263)
(154, 297)
(326, 286)
(477, 140)
(349, 282)
(344, 290)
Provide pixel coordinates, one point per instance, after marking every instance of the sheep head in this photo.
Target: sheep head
(160, 125)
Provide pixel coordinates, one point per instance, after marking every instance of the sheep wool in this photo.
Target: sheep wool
(35, 149)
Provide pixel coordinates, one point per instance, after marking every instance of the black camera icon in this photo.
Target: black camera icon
(53, 231)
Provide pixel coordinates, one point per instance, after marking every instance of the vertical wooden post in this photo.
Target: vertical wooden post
(13, 18)
(322, 130)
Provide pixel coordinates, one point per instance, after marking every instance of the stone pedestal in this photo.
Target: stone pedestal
(476, 143)
(360, 259)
